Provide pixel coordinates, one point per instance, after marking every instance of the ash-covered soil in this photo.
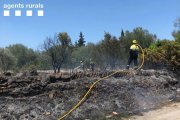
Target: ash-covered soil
(47, 96)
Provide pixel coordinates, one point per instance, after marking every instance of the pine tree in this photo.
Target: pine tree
(81, 41)
(122, 35)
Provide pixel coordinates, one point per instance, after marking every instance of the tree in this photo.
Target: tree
(81, 54)
(7, 60)
(67, 48)
(165, 52)
(41, 62)
(177, 23)
(107, 52)
(23, 54)
(122, 35)
(81, 41)
(58, 48)
(64, 39)
(176, 32)
(143, 37)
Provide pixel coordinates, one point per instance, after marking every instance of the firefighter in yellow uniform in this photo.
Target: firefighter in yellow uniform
(133, 54)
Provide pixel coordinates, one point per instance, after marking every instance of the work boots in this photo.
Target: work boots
(127, 67)
(135, 67)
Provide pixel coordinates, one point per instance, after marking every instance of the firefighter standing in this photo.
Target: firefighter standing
(133, 54)
(92, 64)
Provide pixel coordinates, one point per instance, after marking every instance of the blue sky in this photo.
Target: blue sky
(92, 17)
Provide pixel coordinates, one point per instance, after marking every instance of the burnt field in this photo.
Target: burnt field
(47, 96)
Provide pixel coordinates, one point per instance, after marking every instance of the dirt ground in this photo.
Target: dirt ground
(168, 112)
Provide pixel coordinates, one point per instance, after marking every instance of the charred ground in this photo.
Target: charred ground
(46, 96)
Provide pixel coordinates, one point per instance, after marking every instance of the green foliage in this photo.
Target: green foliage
(64, 39)
(155, 45)
(81, 41)
(113, 52)
(42, 62)
(176, 35)
(167, 53)
(59, 49)
(29, 67)
(107, 52)
(143, 37)
(83, 53)
(22, 54)
(7, 60)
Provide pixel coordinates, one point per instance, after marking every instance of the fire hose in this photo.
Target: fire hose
(90, 89)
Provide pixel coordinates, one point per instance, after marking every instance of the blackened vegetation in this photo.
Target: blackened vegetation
(46, 96)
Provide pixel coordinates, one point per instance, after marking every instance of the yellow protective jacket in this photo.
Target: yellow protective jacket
(134, 47)
(134, 50)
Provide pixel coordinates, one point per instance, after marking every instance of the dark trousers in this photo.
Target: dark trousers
(133, 57)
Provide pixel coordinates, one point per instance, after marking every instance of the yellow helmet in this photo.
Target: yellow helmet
(134, 41)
